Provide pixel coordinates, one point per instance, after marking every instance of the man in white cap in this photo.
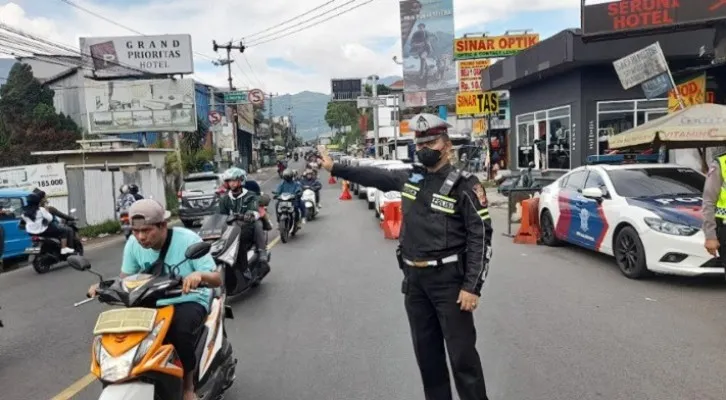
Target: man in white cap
(155, 246)
(444, 253)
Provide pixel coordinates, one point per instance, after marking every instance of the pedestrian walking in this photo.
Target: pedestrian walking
(444, 253)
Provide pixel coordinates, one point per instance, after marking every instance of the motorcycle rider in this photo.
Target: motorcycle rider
(290, 185)
(52, 210)
(125, 198)
(421, 44)
(134, 190)
(309, 179)
(153, 237)
(254, 187)
(38, 221)
(242, 201)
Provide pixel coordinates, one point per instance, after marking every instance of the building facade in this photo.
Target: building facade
(565, 97)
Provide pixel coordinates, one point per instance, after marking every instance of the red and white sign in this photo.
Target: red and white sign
(256, 96)
(214, 117)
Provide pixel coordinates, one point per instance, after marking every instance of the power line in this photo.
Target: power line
(289, 20)
(253, 71)
(300, 29)
(298, 23)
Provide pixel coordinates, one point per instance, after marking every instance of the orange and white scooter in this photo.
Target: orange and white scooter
(129, 355)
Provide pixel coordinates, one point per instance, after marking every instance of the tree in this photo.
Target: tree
(28, 119)
(340, 114)
(382, 90)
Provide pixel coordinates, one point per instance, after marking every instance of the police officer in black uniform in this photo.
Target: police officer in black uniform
(444, 252)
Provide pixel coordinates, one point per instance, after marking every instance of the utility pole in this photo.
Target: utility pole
(228, 62)
(396, 125)
(374, 92)
(272, 124)
(215, 129)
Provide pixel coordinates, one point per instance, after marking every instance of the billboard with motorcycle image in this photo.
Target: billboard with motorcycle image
(427, 31)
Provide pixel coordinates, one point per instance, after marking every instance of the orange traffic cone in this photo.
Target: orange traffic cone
(391, 223)
(346, 192)
(529, 232)
(331, 180)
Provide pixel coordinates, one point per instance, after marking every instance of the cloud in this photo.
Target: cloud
(356, 44)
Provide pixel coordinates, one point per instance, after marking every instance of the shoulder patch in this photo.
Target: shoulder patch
(481, 194)
(415, 178)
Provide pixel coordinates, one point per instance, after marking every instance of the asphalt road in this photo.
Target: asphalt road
(328, 324)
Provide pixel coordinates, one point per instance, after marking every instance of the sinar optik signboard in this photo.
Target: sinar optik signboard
(119, 56)
(604, 17)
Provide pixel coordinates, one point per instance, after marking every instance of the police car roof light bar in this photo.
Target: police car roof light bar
(618, 159)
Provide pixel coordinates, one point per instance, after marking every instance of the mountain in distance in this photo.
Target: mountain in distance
(308, 109)
(5, 65)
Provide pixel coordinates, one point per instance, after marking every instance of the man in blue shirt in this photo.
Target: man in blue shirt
(290, 185)
(150, 233)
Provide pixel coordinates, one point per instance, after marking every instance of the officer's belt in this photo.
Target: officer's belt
(432, 263)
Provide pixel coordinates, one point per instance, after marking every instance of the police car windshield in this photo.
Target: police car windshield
(650, 182)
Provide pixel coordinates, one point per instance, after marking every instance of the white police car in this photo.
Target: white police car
(646, 215)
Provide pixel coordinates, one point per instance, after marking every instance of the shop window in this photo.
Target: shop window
(543, 138)
(525, 150)
(615, 117)
(558, 149)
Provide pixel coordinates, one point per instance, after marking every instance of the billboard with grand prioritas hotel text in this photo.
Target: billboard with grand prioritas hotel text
(605, 17)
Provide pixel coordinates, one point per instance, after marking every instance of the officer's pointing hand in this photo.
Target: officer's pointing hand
(325, 160)
(467, 301)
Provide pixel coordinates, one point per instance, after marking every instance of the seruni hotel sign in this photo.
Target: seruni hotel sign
(602, 17)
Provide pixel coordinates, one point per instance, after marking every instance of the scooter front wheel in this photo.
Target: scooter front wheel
(284, 231)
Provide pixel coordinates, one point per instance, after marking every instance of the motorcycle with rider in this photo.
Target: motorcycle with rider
(289, 208)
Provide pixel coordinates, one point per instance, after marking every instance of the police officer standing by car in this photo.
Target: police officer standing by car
(714, 208)
(444, 253)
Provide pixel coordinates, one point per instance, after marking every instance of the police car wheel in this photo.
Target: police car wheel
(630, 254)
(548, 230)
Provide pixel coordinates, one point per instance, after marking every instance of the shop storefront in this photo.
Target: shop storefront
(565, 97)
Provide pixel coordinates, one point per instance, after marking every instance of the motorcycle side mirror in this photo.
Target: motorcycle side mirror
(79, 263)
(197, 250)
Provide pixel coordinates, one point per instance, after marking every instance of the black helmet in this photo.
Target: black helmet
(39, 193)
(287, 175)
(133, 189)
(34, 199)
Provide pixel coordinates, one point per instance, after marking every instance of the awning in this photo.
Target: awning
(701, 125)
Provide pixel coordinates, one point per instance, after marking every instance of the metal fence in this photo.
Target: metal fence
(93, 192)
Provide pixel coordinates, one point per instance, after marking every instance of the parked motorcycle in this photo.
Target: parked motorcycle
(125, 224)
(311, 206)
(46, 251)
(129, 355)
(288, 216)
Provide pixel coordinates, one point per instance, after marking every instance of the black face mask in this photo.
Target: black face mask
(428, 157)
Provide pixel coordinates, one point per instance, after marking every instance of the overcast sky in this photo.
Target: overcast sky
(356, 44)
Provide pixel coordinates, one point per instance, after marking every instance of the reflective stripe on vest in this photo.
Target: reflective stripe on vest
(721, 203)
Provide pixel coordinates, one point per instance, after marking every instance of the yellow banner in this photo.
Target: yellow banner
(479, 127)
(469, 48)
(692, 91)
(470, 74)
(477, 103)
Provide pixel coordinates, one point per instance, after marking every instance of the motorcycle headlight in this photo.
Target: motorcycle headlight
(670, 228)
(116, 368)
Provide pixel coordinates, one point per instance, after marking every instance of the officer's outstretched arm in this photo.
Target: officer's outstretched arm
(474, 209)
(378, 178)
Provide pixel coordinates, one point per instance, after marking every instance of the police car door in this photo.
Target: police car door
(568, 224)
(592, 221)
